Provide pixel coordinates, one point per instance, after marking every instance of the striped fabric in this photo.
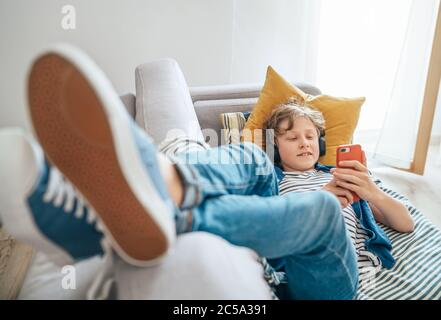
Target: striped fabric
(309, 181)
(232, 124)
(417, 272)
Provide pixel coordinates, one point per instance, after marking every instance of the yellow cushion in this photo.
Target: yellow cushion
(341, 114)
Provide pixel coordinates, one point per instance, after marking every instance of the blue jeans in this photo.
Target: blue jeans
(232, 192)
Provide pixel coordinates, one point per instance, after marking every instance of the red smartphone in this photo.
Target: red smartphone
(350, 152)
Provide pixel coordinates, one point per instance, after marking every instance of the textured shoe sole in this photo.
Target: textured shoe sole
(74, 130)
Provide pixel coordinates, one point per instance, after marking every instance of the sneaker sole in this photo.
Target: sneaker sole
(85, 131)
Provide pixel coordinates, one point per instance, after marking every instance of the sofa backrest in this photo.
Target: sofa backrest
(210, 102)
(166, 105)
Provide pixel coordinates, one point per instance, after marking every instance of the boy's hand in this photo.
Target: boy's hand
(355, 177)
(344, 196)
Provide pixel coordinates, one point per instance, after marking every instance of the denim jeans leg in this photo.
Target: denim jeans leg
(306, 229)
(242, 169)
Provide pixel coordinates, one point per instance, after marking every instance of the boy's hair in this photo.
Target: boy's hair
(290, 111)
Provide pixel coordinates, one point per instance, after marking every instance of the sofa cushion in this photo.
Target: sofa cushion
(201, 266)
(163, 104)
(341, 114)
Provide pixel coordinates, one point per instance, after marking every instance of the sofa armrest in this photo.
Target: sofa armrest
(163, 103)
(129, 102)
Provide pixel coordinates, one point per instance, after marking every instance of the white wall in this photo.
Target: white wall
(214, 42)
(119, 35)
(281, 33)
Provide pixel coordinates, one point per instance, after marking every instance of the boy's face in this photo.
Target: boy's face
(298, 147)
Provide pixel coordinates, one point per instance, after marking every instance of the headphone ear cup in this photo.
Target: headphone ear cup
(322, 145)
(277, 160)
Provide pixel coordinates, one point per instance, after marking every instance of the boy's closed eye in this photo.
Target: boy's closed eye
(309, 137)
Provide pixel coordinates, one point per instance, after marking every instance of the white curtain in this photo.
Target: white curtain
(359, 45)
(374, 48)
(397, 139)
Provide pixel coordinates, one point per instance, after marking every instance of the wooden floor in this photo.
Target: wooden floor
(15, 259)
(423, 191)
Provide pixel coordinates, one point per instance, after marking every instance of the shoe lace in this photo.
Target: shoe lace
(61, 192)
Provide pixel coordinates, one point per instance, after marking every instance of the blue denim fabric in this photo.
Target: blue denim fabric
(377, 241)
(147, 152)
(239, 201)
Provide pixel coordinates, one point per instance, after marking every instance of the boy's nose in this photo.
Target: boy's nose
(304, 143)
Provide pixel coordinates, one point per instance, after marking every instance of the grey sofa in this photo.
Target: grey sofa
(201, 265)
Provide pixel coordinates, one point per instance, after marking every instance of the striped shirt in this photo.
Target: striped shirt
(368, 263)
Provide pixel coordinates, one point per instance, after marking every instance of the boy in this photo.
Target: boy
(296, 130)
